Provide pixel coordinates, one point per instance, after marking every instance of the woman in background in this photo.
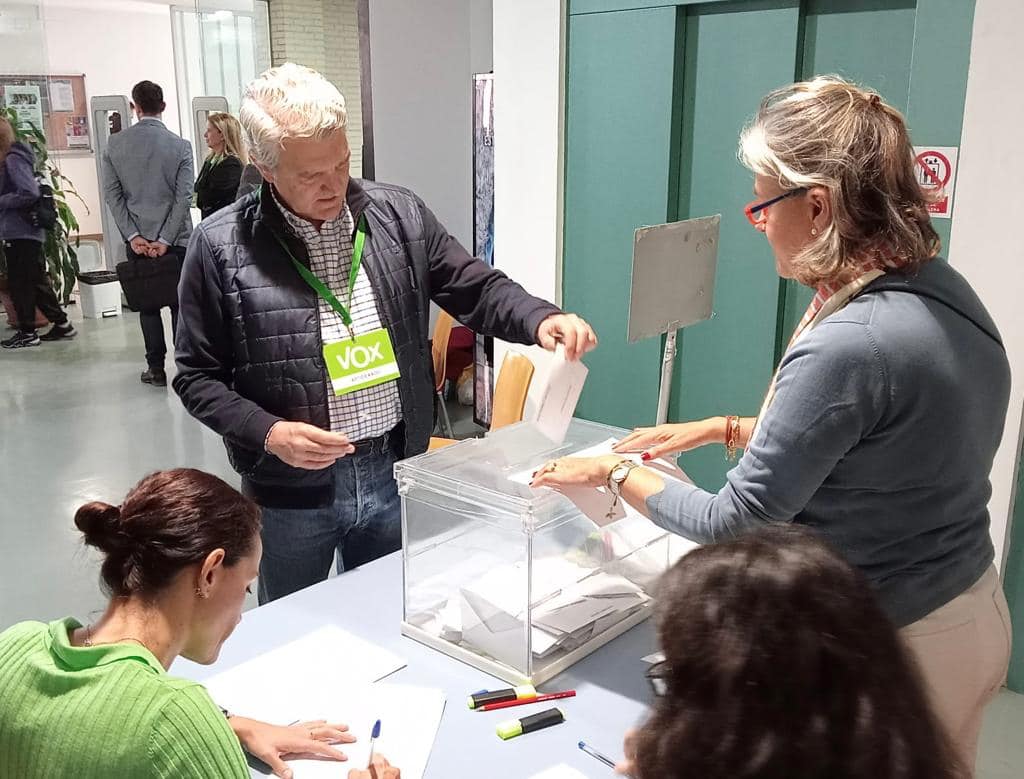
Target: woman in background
(217, 183)
(23, 246)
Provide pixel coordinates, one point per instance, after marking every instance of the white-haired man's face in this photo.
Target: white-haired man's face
(312, 175)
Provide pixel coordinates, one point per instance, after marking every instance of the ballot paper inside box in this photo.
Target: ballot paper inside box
(519, 582)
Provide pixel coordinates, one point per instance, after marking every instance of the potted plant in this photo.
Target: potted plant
(61, 242)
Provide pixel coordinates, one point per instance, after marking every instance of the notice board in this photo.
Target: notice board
(58, 101)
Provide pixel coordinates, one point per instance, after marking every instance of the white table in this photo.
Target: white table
(612, 694)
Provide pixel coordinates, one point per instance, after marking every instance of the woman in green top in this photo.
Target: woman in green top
(95, 701)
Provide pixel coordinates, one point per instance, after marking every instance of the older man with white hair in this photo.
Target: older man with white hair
(304, 332)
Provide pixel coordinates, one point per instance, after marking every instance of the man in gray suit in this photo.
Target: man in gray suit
(147, 182)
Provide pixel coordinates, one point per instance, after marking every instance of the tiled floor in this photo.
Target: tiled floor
(76, 425)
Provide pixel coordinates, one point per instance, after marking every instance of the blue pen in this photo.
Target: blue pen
(594, 753)
(373, 737)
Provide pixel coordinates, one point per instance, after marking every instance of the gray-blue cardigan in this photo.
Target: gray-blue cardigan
(881, 436)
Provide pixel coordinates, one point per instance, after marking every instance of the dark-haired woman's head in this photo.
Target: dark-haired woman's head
(185, 541)
(780, 663)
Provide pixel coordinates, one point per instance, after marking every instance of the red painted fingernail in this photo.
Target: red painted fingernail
(645, 456)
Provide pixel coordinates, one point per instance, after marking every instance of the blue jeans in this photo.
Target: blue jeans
(363, 523)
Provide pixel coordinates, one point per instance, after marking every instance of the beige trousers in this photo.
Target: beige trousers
(963, 651)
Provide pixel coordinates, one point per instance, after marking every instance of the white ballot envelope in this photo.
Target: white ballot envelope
(558, 401)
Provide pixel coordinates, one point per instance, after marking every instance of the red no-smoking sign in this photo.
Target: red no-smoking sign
(936, 172)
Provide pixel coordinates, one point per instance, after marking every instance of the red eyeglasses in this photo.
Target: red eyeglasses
(757, 213)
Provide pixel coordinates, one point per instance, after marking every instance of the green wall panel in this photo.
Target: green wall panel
(726, 363)
(871, 43)
(656, 99)
(938, 78)
(619, 166)
(604, 6)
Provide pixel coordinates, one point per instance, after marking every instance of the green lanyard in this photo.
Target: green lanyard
(321, 289)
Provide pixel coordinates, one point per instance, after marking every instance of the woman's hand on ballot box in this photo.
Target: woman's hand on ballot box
(575, 472)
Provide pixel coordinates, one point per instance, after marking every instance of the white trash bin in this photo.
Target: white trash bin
(100, 294)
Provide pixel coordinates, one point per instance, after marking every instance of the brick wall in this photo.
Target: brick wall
(261, 40)
(324, 35)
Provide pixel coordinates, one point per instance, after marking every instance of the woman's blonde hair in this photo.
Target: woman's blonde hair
(6, 136)
(229, 127)
(830, 133)
(289, 101)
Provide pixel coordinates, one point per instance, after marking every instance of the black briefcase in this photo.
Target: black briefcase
(150, 283)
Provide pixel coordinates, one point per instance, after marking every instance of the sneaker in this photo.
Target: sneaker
(21, 340)
(59, 332)
(154, 376)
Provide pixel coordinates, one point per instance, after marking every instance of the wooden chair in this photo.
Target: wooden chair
(439, 354)
(510, 392)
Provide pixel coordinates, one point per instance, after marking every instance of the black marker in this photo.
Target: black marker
(500, 696)
(517, 727)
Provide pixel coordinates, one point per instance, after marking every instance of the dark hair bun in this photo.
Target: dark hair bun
(168, 521)
(100, 523)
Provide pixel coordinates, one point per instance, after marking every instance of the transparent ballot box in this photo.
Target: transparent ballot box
(518, 582)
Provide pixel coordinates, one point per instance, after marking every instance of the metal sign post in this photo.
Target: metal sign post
(110, 114)
(672, 286)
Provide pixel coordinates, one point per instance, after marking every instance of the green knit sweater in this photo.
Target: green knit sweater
(104, 711)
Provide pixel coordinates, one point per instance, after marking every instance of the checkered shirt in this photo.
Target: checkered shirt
(365, 413)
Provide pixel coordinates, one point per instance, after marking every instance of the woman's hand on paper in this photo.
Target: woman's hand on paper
(665, 440)
(380, 769)
(271, 743)
(575, 472)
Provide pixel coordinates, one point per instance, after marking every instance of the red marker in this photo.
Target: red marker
(553, 696)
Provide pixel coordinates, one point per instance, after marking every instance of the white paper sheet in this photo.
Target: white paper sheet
(561, 394)
(410, 717)
(326, 652)
(329, 674)
(62, 96)
(561, 771)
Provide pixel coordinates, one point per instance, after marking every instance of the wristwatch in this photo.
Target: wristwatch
(618, 475)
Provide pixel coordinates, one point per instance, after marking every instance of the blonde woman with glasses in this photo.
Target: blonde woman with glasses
(221, 172)
(883, 418)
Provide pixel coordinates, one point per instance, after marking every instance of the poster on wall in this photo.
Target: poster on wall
(76, 129)
(26, 102)
(62, 95)
(483, 233)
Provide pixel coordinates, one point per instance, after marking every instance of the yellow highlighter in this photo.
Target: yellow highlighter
(518, 727)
